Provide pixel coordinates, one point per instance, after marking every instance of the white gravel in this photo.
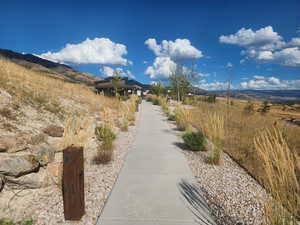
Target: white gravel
(234, 196)
(45, 205)
(99, 181)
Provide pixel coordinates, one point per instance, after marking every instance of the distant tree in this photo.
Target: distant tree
(157, 88)
(181, 82)
(115, 80)
(211, 98)
(265, 107)
(284, 107)
(249, 108)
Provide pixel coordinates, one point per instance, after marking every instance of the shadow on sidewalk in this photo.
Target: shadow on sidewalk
(194, 197)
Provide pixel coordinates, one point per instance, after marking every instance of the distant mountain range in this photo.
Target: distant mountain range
(49, 68)
(286, 96)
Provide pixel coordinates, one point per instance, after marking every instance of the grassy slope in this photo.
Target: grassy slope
(49, 68)
(29, 100)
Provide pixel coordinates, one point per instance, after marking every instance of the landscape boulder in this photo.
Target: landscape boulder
(38, 139)
(43, 153)
(13, 143)
(54, 131)
(18, 165)
(3, 147)
(35, 180)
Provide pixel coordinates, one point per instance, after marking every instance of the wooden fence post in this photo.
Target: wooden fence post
(73, 183)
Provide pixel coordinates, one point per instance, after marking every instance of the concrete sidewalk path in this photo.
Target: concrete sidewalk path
(146, 192)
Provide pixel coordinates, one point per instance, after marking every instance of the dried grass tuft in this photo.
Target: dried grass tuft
(280, 179)
(77, 132)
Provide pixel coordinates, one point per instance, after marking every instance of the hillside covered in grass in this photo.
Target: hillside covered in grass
(40, 116)
(48, 68)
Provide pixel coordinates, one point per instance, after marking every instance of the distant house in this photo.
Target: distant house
(124, 86)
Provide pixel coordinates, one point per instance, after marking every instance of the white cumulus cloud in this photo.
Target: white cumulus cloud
(216, 85)
(265, 45)
(229, 65)
(295, 42)
(287, 56)
(109, 71)
(168, 53)
(180, 49)
(96, 51)
(270, 83)
(162, 67)
(264, 38)
(258, 83)
(258, 77)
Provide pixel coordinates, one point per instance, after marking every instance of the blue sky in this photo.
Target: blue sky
(257, 42)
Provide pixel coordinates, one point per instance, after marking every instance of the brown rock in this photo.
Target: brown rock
(54, 131)
(36, 180)
(18, 165)
(38, 139)
(3, 147)
(13, 143)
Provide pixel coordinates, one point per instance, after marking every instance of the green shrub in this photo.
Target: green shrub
(28, 222)
(104, 133)
(139, 100)
(194, 140)
(124, 125)
(171, 117)
(265, 107)
(10, 222)
(105, 150)
(165, 108)
(211, 98)
(124, 98)
(215, 156)
(6, 222)
(155, 101)
(149, 99)
(249, 108)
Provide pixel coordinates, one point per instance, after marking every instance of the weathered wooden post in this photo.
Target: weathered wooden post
(73, 183)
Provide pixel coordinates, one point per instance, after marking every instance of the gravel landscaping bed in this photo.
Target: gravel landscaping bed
(46, 204)
(233, 195)
(99, 183)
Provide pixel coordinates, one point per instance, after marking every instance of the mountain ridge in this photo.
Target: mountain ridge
(53, 69)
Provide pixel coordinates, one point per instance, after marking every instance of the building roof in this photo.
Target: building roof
(123, 83)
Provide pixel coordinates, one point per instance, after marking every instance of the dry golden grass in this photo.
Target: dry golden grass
(273, 159)
(105, 151)
(77, 132)
(130, 108)
(30, 87)
(107, 117)
(182, 118)
(280, 179)
(75, 104)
